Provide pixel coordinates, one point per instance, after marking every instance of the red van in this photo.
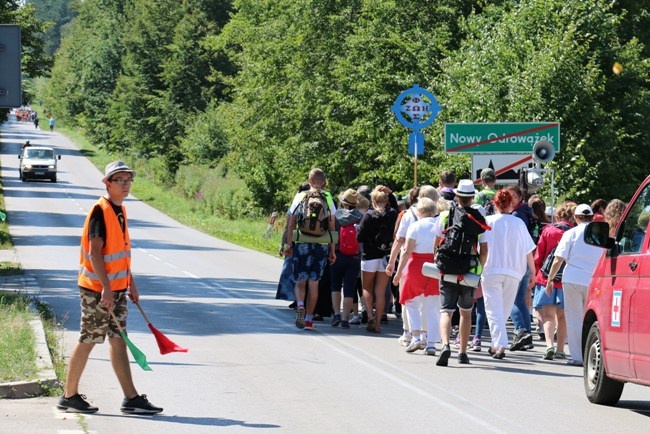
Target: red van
(616, 325)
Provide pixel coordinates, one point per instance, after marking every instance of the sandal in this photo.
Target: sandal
(560, 355)
(371, 325)
(549, 354)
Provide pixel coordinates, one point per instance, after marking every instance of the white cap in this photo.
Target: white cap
(583, 209)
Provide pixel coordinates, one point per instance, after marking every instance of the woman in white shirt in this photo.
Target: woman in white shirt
(509, 253)
(418, 293)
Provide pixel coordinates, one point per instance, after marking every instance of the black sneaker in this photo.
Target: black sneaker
(443, 358)
(76, 404)
(139, 405)
(463, 359)
(520, 340)
(384, 319)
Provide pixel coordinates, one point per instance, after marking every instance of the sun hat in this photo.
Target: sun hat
(583, 209)
(116, 167)
(349, 197)
(488, 174)
(465, 188)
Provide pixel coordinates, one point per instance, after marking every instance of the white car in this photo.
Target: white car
(38, 162)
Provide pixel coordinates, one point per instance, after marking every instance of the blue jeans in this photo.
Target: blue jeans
(481, 317)
(520, 314)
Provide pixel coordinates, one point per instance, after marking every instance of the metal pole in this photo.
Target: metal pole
(552, 194)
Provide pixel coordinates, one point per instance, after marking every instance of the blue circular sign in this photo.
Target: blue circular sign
(416, 108)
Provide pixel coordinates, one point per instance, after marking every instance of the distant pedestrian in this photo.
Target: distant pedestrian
(51, 123)
(35, 120)
(105, 280)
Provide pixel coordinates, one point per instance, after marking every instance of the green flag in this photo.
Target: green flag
(138, 355)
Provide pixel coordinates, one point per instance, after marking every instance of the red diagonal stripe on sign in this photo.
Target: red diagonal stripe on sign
(508, 167)
(518, 133)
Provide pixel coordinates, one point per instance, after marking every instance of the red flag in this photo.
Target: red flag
(166, 346)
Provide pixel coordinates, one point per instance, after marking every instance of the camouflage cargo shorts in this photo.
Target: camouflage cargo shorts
(96, 322)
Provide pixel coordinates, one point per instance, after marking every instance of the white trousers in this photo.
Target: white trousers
(499, 292)
(424, 315)
(575, 297)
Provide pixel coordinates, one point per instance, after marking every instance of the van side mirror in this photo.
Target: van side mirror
(597, 235)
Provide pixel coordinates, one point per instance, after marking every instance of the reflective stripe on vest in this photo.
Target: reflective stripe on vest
(116, 252)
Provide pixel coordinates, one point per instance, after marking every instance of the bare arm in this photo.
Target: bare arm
(406, 254)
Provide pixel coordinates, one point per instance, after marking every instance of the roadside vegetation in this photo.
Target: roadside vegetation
(17, 340)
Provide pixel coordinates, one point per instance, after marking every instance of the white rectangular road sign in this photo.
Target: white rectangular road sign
(506, 166)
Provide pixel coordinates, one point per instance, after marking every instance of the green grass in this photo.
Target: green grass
(17, 340)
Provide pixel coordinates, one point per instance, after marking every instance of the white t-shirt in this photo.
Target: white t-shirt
(407, 219)
(422, 232)
(509, 244)
(581, 258)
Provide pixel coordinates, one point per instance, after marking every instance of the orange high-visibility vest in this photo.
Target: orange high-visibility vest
(116, 252)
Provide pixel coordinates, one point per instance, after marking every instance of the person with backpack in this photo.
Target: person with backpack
(312, 214)
(345, 271)
(456, 253)
(485, 197)
(376, 233)
(520, 314)
(551, 306)
(508, 250)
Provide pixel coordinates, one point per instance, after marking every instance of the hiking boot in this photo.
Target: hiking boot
(476, 344)
(463, 359)
(336, 320)
(139, 405)
(520, 340)
(75, 404)
(443, 358)
(300, 317)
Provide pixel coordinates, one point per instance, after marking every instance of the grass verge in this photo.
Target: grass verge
(17, 340)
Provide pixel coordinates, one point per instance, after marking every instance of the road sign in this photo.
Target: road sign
(10, 69)
(416, 108)
(505, 166)
(500, 138)
(416, 141)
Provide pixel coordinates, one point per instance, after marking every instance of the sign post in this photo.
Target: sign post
(416, 108)
(10, 69)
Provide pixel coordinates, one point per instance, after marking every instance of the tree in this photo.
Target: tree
(545, 60)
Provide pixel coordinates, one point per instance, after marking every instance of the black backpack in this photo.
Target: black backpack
(548, 261)
(457, 253)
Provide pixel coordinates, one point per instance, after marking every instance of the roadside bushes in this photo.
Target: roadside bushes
(215, 193)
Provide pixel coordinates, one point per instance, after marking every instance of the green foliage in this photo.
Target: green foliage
(552, 61)
(271, 89)
(17, 340)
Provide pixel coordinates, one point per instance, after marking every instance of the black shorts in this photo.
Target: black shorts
(453, 294)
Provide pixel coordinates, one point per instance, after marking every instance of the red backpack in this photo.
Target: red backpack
(348, 244)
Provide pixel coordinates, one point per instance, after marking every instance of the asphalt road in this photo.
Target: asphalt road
(248, 367)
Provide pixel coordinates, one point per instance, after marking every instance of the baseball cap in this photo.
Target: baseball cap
(583, 209)
(488, 174)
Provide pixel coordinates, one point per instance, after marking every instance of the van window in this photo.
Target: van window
(632, 231)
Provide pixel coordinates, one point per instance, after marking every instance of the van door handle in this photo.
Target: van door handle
(633, 265)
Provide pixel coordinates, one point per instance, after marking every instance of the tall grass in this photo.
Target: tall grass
(17, 340)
